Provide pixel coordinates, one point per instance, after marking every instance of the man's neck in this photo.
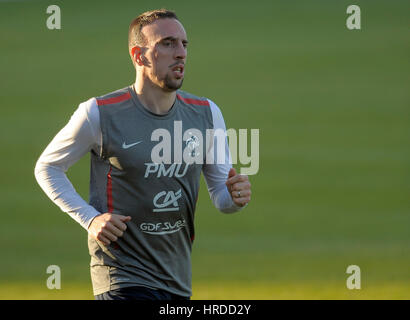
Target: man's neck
(154, 98)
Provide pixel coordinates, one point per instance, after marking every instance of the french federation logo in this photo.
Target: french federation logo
(192, 144)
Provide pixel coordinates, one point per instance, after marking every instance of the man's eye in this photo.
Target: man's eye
(167, 43)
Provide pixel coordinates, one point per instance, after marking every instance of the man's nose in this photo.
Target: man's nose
(180, 51)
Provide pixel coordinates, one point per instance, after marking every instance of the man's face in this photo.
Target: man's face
(165, 53)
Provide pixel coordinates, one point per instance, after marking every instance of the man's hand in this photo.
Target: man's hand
(108, 227)
(239, 187)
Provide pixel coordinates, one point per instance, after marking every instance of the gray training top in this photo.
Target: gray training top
(155, 250)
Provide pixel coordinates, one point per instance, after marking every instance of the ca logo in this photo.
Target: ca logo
(169, 203)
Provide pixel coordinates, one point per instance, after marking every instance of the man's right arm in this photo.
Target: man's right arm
(81, 135)
(76, 139)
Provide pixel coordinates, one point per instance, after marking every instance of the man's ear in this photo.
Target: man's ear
(136, 55)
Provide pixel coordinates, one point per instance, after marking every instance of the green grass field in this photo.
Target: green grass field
(332, 106)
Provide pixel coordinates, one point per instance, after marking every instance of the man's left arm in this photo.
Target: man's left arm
(229, 191)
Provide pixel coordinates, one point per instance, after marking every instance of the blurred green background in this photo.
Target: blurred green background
(332, 106)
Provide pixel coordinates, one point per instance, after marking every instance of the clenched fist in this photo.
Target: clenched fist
(108, 227)
(239, 187)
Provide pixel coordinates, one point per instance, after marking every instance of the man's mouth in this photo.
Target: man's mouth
(178, 70)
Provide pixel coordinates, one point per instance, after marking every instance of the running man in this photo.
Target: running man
(140, 215)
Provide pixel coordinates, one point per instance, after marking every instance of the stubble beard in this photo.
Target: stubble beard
(172, 84)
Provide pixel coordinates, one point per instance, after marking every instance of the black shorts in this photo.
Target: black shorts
(138, 293)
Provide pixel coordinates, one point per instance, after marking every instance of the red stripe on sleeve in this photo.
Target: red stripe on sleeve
(112, 100)
(109, 191)
(196, 102)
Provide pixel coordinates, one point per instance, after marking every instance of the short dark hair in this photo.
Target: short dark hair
(135, 36)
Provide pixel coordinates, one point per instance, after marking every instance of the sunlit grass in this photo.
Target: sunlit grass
(226, 291)
(39, 291)
(298, 291)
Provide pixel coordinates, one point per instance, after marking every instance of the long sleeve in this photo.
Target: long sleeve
(81, 134)
(216, 173)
